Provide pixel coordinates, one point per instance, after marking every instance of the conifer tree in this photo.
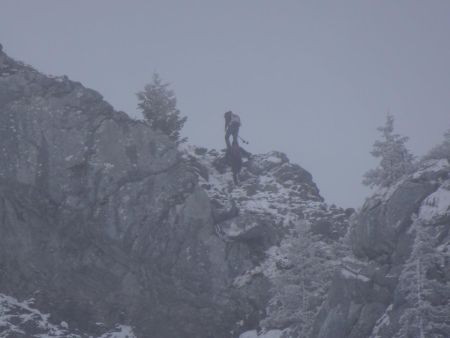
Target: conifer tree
(395, 158)
(424, 294)
(442, 150)
(158, 104)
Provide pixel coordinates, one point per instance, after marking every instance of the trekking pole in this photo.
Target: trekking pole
(245, 142)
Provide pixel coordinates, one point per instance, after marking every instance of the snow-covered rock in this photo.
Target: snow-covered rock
(104, 220)
(398, 283)
(21, 319)
(259, 219)
(101, 220)
(268, 334)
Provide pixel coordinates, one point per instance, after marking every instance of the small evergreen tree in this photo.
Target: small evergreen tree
(442, 150)
(425, 294)
(158, 104)
(395, 158)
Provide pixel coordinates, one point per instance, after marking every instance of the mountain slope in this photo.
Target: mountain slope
(396, 284)
(276, 226)
(104, 220)
(97, 213)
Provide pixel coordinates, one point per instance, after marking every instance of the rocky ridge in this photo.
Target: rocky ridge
(105, 220)
(260, 221)
(396, 281)
(98, 212)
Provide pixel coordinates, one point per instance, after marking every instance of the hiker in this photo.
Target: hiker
(232, 124)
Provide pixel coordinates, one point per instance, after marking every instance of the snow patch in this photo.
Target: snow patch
(268, 334)
(432, 166)
(108, 166)
(382, 322)
(274, 159)
(121, 331)
(437, 204)
(16, 317)
(245, 278)
(349, 274)
(234, 230)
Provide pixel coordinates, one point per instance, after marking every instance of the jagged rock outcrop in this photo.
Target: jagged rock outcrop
(109, 226)
(275, 225)
(104, 220)
(397, 282)
(101, 219)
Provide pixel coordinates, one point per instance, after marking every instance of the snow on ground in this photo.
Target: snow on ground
(268, 334)
(285, 199)
(437, 204)
(427, 167)
(260, 194)
(349, 274)
(274, 159)
(382, 322)
(21, 319)
(432, 166)
(121, 331)
(15, 316)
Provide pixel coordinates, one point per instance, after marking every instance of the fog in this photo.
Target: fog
(311, 79)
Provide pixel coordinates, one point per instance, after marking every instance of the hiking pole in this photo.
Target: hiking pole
(245, 142)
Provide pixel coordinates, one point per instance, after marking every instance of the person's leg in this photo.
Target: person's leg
(235, 133)
(227, 137)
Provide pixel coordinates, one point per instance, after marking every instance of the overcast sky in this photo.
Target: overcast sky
(312, 78)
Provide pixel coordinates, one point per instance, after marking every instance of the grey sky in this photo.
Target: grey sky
(310, 78)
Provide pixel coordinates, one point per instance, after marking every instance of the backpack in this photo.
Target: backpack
(235, 119)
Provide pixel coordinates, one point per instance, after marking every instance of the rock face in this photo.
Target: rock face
(104, 220)
(397, 282)
(276, 207)
(101, 219)
(114, 230)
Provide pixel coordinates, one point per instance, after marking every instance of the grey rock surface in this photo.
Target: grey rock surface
(395, 284)
(104, 220)
(101, 219)
(275, 203)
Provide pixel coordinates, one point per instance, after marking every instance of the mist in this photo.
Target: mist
(313, 80)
